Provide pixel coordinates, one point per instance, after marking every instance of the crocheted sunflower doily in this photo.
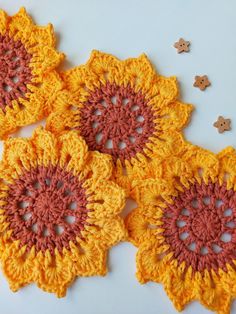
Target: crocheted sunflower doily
(28, 81)
(122, 108)
(185, 228)
(59, 211)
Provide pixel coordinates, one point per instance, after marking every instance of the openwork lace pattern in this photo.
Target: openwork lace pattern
(28, 78)
(185, 227)
(59, 211)
(121, 108)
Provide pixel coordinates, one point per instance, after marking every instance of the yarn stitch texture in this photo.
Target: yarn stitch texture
(28, 80)
(59, 211)
(121, 108)
(185, 227)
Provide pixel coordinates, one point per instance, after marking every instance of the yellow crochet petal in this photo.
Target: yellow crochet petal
(151, 192)
(73, 151)
(63, 100)
(7, 126)
(150, 263)
(23, 111)
(79, 81)
(212, 294)
(107, 232)
(148, 169)
(45, 144)
(44, 34)
(55, 274)
(141, 227)
(106, 200)
(18, 154)
(20, 24)
(227, 159)
(168, 90)
(104, 66)
(3, 21)
(178, 286)
(204, 164)
(175, 116)
(45, 60)
(48, 90)
(89, 259)
(165, 145)
(226, 281)
(17, 266)
(70, 118)
(98, 166)
(140, 74)
(122, 176)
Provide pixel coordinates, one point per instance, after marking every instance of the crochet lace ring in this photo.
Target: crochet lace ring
(46, 207)
(116, 120)
(15, 72)
(200, 226)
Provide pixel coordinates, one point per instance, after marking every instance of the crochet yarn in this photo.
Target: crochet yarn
(15, 71)
(28, 81)
(59, 211)
(122, 108)
(184, 227)
(49, 202)
(127, 124)
(199, 223)
(114, 130)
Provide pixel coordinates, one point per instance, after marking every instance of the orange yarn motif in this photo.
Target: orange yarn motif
(28, 80)
(59, 211)
(113, 125)
(184, 227)
(122, 108)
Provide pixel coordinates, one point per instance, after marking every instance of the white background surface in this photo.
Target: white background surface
(127, 28)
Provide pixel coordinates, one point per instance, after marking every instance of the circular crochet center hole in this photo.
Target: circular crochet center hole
(46, 208)
(116, 120)
(15, 72)
(200, 226)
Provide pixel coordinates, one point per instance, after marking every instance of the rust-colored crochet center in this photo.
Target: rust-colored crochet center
(116, 120)
(46, 207)
(200, 226)
(15, 72)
